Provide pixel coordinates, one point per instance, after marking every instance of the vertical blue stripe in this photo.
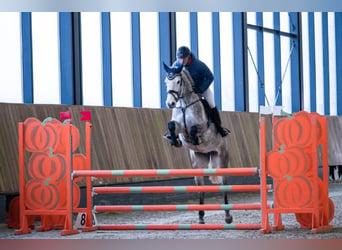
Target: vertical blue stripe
(26, 38)
(277, 59)
(164, 51)
(194, 33)
(106, 60)
(325, 43)
(66, 58)
(338, 45)
(295, 77)
(137, 93)
(238, 61)
(217, 59)
(261, 70)
(312, 61)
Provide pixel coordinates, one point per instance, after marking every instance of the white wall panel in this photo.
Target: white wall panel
(269, 73)
(227, 61)
(91, 58)
(306, 61)
(205, 40)
(45, 53)
(319, 63)
(332, 63)
(150, 72)
(252, 72)
(121, 43)
(285, 50)
(10, 58)
(183, 29)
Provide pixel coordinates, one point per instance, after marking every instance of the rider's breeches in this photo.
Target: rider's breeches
(209, 96)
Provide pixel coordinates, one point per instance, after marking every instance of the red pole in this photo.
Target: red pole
(88, 225)
(150, 208)
(24, 229)
(167, 172)
(178, 189)
(68, 227)
(181, 227)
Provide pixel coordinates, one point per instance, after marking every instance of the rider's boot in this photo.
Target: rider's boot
(215, 118)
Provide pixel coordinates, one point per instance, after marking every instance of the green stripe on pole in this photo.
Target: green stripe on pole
(229, 226)
(118, 173)
(163, 172)
(227, 206)
(225, 188)
(185, 226)
(180, 189)
(138, 208)
(135, 189)
(209, 171)
(140, 227)
(182, 207)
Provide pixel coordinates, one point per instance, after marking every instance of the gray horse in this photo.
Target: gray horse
(190, 127)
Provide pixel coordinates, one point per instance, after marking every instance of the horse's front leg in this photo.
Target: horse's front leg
(173, 137)
(193, 135)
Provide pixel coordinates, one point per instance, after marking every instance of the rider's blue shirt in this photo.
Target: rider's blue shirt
(199, 72)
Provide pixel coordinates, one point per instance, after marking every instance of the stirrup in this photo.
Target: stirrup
(224, 132)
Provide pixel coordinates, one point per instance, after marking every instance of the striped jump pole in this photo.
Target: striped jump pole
(181, 227)
(174, 189)
(178, 189)
(167, 172)
(152, 208)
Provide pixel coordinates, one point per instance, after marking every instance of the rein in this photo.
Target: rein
(184, 109)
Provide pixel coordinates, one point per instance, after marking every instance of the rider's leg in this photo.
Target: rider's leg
(215, 115)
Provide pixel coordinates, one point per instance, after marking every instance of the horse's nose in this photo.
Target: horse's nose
(171, 104)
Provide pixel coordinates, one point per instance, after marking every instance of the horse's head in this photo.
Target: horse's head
(173, 82)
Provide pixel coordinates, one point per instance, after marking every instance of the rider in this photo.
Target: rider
(202, 77)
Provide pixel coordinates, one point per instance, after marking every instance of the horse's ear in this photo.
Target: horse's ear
(177, 70)
(167, 68)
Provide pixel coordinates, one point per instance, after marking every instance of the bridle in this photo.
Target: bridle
(178, 95)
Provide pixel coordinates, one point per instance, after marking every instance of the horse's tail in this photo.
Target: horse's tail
(214, 179)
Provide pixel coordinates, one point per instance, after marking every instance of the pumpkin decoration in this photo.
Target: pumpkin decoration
(79, 162)
(291, 161)
(297, 129)
(76, 194)
(319, 132)
(41, 194)
(293, 192)
(43, 165)
(39, 136)
(63, 133)
(52, 222)
(305, 219)
(13, 215)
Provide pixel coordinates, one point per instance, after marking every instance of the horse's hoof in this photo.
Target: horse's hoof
(229, 219)
(201, 221)
(177, 143)
(195, 142)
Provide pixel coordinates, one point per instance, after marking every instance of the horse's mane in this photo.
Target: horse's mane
(187, 77)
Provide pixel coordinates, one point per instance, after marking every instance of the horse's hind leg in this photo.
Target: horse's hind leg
(229, 218)
(221, 160)
(199, 180)
(199, 160)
